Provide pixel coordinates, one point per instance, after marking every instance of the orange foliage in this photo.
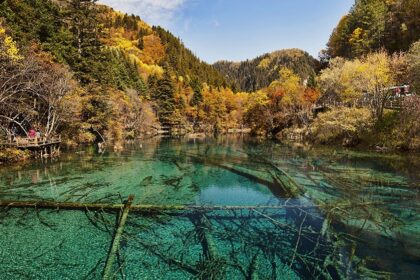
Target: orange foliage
(154, 50)
(276, 94)
(311, 95)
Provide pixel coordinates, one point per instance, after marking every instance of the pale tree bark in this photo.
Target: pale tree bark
(31, 92)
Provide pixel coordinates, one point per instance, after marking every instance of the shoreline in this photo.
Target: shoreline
(13, 156)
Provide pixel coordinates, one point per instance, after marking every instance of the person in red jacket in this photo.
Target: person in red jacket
(32, 133)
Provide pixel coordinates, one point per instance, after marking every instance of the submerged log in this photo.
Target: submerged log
(253, 268)
(154, 208)
(117, 240)
(212, 266)
(276, 187)
(203, 227)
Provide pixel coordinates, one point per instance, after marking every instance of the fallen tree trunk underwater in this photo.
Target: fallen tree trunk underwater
(144, 208)
(117, 240)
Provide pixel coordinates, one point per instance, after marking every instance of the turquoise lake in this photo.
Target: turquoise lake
(299, 212)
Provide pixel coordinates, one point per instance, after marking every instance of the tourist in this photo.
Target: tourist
(32, 133)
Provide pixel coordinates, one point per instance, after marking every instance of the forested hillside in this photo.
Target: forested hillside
(123, 77)
(375, 24)
(373, 51)
(255, 74)
(54, 24)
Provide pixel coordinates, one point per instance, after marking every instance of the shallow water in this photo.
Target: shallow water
(335, 213)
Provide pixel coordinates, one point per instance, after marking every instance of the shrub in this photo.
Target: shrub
(410, 124)
(399, 129)
(341, 125)
(10, 155)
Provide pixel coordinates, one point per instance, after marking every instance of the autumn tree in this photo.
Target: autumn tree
(287, 90)
(31, 89)
(56, 84)
(284, 103)
(346, 126)
(153, 49)
(368, 77)
(214, 109)
(12, 86)
(131, 116)
(8, 49)
(413, 57)
(257, 116)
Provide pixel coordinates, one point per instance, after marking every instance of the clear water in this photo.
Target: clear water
(337, 214)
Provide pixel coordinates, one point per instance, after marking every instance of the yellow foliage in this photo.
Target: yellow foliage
(8, 47)
(220, 108)
(120, 40)
(351, 79)
(124, 43)
(345, 125)
(9, 155)
(264, 63)
(145, 69)
(148, 59)
(127, 41)
(357, 36)
(287, 88)
(154, 50)
(378, 70)
(258, 98)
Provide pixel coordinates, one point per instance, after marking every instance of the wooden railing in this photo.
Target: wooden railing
(22, 142)
(391, 103)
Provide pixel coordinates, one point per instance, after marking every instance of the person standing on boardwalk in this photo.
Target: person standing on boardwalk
(32, 133)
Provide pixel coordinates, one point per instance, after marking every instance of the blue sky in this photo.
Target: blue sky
(242, 29)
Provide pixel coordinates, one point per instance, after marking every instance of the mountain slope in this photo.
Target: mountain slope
(150, 49)
(372, 25)
(251, 75)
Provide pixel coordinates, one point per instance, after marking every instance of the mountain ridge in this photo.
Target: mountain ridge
(253, 74)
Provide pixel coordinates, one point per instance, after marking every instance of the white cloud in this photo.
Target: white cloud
(158, 12)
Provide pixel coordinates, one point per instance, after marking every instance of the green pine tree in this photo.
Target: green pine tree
(165, 97)
(197, 89)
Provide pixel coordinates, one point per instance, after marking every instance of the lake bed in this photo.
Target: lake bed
(301, 213)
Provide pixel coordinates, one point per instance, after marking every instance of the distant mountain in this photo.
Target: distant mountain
(251, 75)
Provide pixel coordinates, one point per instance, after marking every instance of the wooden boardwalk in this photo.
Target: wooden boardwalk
(390, 104)
(41, 146)
(23, 143)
